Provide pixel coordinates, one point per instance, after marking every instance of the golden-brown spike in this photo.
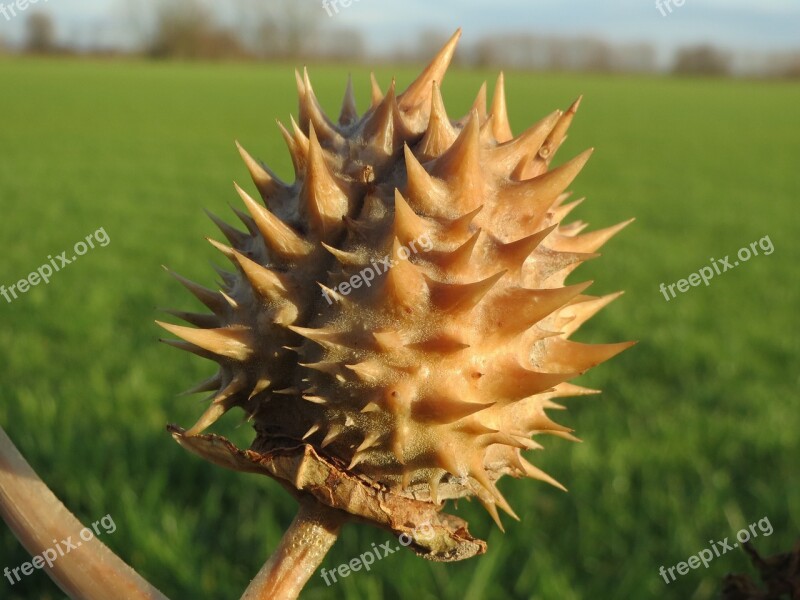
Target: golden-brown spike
(513, 382)
(202, 320)
(501, 128)
(377, 94)
(231, 342)
(382, 127)
(489, 506)
(460, 297)
(425, 192)
(461, 227)
(518, 309)
(226, 251)
(357, 458)
(517, 151)
(324, 337)
(575, 357)
(208, 385)
(230, 300)
(444, 410)
(536, 473)
(571, 229)
(440, 133)
(561, 263)
(370, 440)
(267, 183)
(349, 113)
(298, 152)
(187, 347)
(334, 431)
(300, 138)
(405, 285)
(541, 161)
(539, 422)
(514, 254)
(562, 210)
(388, 340)
(290, 391)
(247, 220)
(236, 385)
(589, 242)
(237, 238)
(580, 312)
(331, 295)
(408, 225)
(369, 371)
(458, 259)
(479, 106)
(212, 414)
(329, 367)
(347, 259)
(461, 165)
(213, 300)
(418, 93)
(569, 390)
(261, 385)
(324, 200)
(314, 399)
(542, 191)
(265, 282)
(503, 504)
(311, 113)
(278, 235)
(311, 431)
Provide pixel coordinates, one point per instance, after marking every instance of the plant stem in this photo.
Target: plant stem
(302, 548)
(40, 520)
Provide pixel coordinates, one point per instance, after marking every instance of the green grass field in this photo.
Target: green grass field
(695, 436)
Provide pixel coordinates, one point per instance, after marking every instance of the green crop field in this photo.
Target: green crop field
(694, 437)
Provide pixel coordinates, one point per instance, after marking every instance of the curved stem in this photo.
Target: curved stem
(89, 571)
(302, 548)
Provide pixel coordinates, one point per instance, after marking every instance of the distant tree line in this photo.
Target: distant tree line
(292, 29)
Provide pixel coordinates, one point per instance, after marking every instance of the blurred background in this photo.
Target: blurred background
(122, 116)
(713, 37)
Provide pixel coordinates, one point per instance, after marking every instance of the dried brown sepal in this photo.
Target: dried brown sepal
(304, 472)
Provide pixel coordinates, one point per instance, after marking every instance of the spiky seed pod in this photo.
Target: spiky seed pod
(401, 307)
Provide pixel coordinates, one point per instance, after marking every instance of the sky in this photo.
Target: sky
(756, 25)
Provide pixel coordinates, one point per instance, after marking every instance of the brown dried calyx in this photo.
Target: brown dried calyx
(384, 398)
